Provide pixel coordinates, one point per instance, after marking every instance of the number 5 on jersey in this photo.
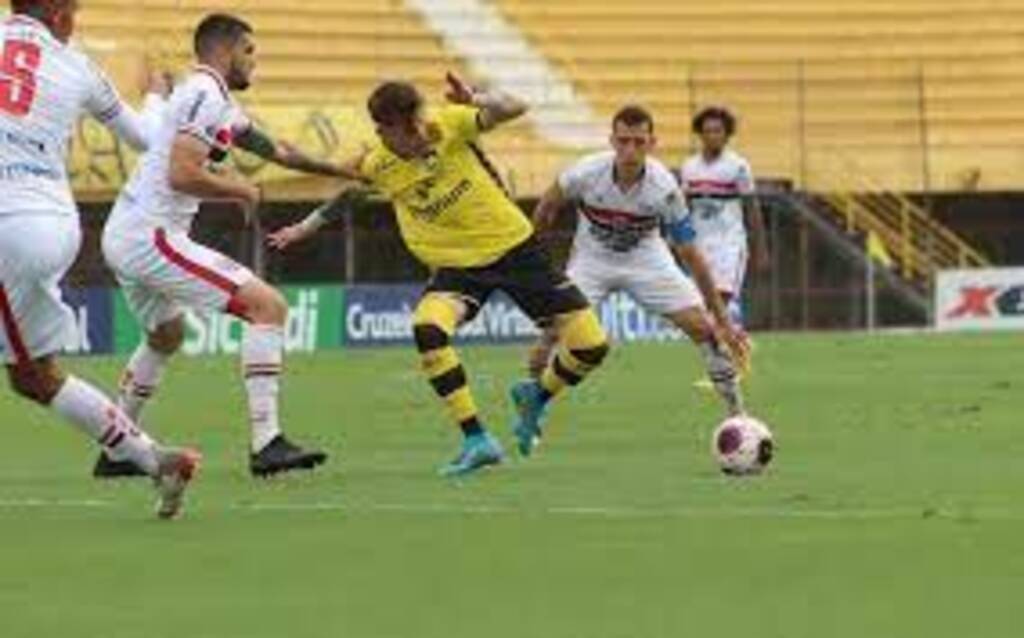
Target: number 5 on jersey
(18, 76)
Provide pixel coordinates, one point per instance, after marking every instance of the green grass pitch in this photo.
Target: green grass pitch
(895, 509)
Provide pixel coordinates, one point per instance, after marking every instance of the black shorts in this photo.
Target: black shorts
(524, 274)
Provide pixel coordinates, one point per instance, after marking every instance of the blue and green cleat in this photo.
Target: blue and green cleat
(531, 406)
(478, 451)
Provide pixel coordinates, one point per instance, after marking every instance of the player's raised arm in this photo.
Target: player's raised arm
(282, 153)
(496, 107)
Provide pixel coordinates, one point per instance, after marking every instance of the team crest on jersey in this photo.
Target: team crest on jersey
(424, 187)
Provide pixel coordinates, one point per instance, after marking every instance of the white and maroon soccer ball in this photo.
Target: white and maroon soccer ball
(743, 446)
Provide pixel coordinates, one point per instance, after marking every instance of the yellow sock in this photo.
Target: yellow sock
(433, 325)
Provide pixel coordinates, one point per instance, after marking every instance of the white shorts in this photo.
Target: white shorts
(727, 260)
(163, 274)
(650, 275)
(36, 251)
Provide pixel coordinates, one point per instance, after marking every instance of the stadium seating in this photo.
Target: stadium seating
(811, 79)
(858, 76)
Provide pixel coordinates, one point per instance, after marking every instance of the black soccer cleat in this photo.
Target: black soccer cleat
(281, 455)
(107, 468)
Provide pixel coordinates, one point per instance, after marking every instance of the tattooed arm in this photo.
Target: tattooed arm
(284, 154)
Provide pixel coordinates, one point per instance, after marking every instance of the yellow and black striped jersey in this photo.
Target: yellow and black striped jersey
(452, 209)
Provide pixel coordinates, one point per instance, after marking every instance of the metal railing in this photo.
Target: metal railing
(919, 244)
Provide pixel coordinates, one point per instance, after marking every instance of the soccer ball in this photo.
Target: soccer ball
(743, 446)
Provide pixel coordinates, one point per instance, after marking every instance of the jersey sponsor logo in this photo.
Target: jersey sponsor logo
(707, 208)
(15, 138)
(433, 210)
(21, 170)
(617, 230)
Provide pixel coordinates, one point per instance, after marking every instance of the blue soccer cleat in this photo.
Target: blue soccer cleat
(528, 397)
(478, 451)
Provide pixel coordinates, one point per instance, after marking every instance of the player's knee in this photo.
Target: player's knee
(263, 304)
(277, 308)
(586, 339)
(439, 312)
(167, 338)
(35, 382)
(584, 331)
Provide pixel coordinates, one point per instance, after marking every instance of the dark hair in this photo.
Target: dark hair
(393, 102)
(38, 9)
(634, 115)
(719, 113)
(218, 28)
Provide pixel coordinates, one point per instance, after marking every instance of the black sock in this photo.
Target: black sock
(544, 395)
(471, 427)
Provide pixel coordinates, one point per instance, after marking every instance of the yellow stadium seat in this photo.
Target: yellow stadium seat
(882, 80)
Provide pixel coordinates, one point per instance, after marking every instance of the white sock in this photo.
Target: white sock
(96, 415)
(262, 359)
(722, 373)
(140, 380)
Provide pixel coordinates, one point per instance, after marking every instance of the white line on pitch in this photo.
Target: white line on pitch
(573, 511)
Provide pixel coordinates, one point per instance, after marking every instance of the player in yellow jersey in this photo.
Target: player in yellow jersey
(456, 217)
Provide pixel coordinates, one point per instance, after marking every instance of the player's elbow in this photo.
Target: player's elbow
(183, 176)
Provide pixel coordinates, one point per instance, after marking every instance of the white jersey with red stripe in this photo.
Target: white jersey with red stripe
(613, 222)
(714, 190)
(45, 87)
(200, 106)
(618, 245)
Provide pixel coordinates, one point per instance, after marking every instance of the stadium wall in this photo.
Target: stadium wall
(364, 264)
(329, 317)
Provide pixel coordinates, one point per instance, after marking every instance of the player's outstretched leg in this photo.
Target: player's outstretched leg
(583, 347)
(92, 412)
(139, 383)
(721, 370)
(262, 364)
(433, 326)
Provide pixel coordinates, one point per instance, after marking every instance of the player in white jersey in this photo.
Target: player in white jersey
(163, 273)
(624, 199)
(45, 86)
(720, 190)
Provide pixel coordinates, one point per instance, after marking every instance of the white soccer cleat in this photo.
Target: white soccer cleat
(177, 467)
